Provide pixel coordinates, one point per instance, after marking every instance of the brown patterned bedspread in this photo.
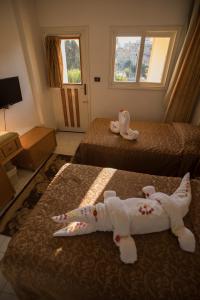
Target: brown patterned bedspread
(161, 149)
(89, 267)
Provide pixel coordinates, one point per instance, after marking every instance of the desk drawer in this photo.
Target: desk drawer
(9, 148)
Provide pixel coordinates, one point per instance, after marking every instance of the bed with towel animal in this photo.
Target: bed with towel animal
(151, 252)
(170, 149)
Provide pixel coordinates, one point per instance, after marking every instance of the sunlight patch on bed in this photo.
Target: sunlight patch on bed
(97, 186)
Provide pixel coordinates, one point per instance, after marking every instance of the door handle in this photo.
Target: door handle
(85, 89)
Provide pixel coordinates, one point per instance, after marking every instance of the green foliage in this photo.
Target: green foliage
(119, 77)
(132, 68)
(144, 70)
(74, 76)
(72, 54)
(127, 71)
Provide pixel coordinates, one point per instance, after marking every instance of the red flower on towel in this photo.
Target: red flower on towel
(117, 238)
(95, 214)
(145, 209)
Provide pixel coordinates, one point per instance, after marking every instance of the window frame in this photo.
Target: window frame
(150, 31)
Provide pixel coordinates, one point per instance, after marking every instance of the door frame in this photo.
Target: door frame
(73, 31)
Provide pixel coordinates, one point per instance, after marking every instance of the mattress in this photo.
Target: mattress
(161, 149)
(87, 267)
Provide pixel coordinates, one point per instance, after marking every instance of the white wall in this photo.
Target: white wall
(12, 63)
(31, 42)
(99, 15)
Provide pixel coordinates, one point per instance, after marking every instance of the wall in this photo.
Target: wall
(31, 42)
(22, 115)
(99, 15)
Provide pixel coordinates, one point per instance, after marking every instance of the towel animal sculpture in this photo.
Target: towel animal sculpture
(122, 126)
(155, 213)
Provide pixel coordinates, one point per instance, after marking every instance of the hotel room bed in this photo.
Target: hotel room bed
(161, 149)
(88, 267)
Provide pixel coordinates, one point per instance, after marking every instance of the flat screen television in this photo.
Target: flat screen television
(10, 91)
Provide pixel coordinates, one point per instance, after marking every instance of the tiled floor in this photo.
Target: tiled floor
(67, 143)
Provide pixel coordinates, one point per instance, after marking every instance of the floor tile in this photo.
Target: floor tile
(68, 142)
(23, 178)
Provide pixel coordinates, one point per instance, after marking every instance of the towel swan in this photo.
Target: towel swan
(155, 213)
(122, 126)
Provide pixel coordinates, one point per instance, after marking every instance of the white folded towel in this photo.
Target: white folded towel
(122, 126)
(114, 126)
(155, 213)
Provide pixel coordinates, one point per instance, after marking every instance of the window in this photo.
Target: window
(142, 59)
(70, 49)
(126, 58)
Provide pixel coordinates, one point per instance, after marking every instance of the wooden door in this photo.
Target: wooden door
(74, 115)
